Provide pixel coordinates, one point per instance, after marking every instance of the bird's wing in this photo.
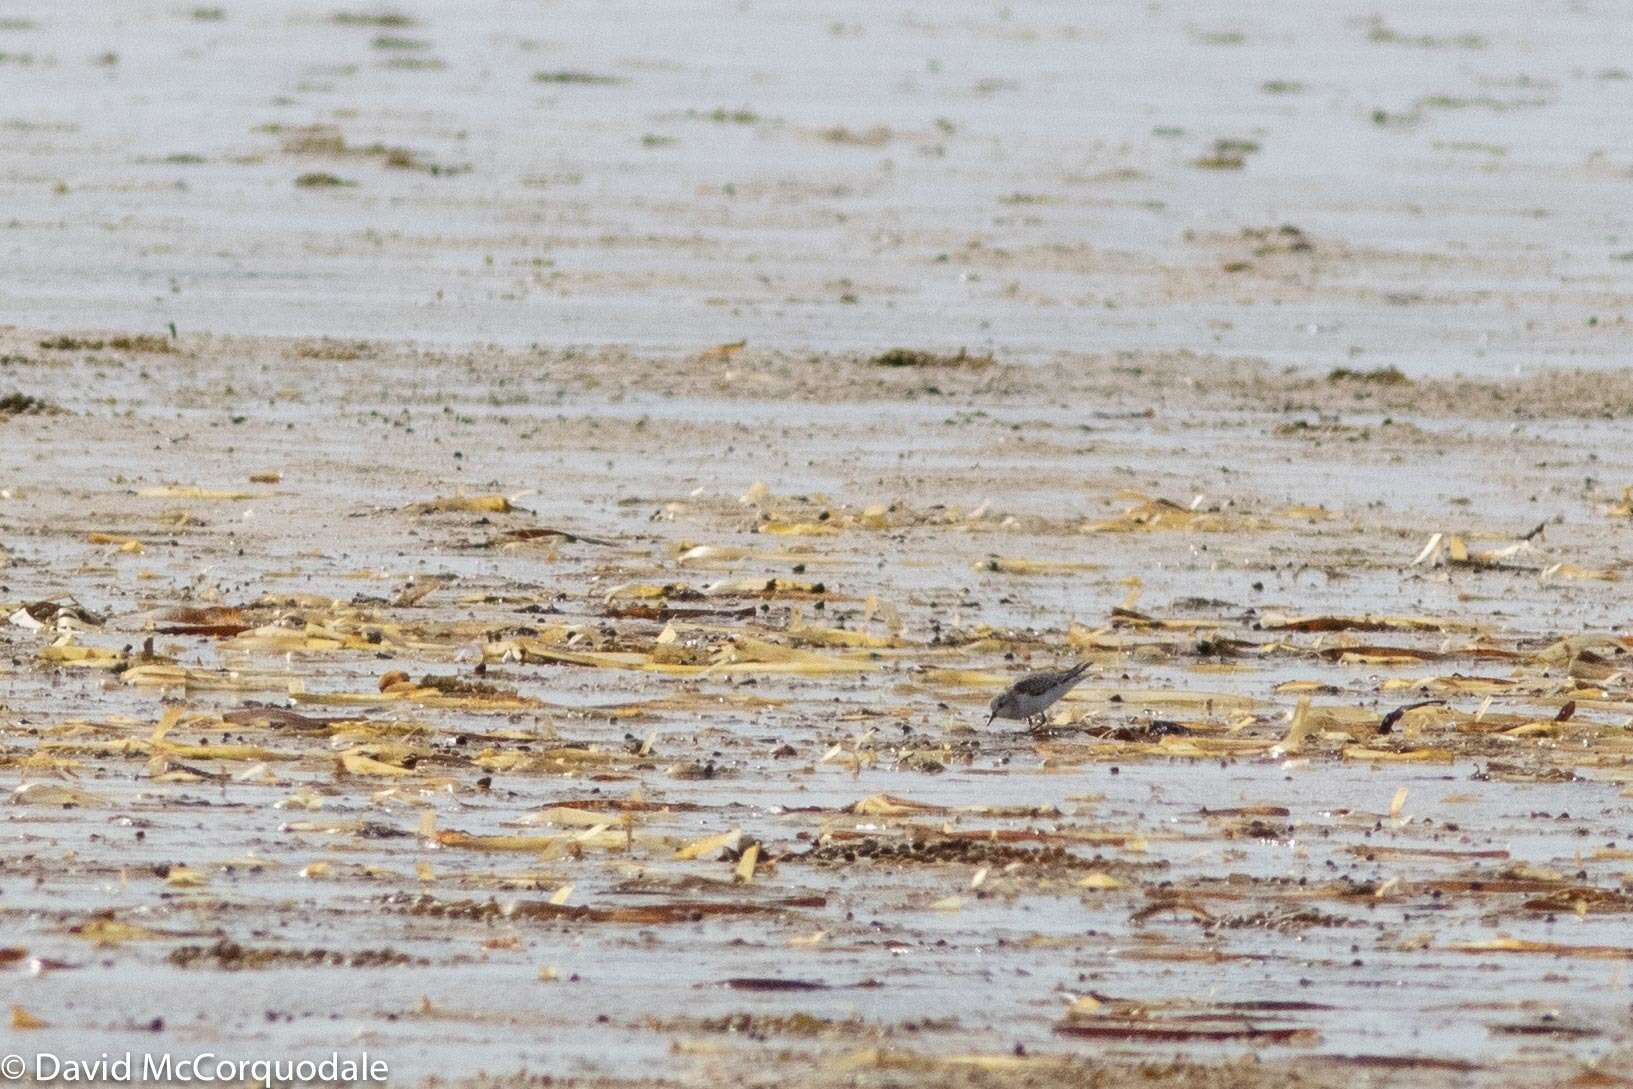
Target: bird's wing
(1039, 683)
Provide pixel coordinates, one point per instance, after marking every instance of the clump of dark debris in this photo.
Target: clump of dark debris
(137, 342)
(914, 357)
(21, 404)
(233, 957)
(955, 851)
(1378, 376)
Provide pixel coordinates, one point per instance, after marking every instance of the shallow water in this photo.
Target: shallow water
(970, 175)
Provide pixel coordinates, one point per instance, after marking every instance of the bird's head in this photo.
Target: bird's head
(1003, 705)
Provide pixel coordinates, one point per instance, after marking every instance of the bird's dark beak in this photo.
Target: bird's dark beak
(991, 717)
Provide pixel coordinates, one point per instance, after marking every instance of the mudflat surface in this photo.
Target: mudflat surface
(836, 176)
(606, 715)
(528, 620)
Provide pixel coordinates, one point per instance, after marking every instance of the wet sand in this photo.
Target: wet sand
(452, 642)
(725, 596)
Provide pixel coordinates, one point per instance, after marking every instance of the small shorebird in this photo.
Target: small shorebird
(1035, 693)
